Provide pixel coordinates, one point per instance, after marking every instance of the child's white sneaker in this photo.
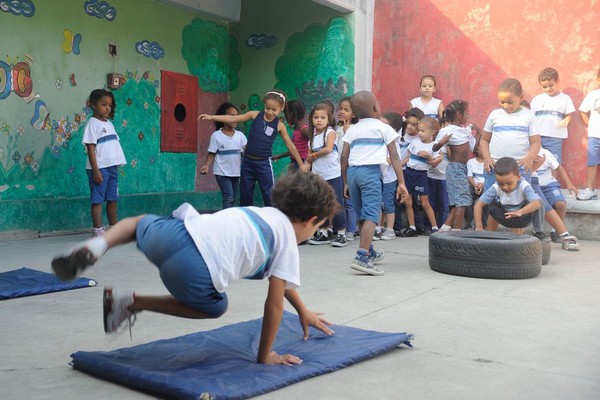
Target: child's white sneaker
(587, 194)
(388, 234)
(99, 231)
(569, 243)
(116, 305)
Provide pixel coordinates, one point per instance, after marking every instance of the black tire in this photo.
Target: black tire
(546, 251)
(490, 255)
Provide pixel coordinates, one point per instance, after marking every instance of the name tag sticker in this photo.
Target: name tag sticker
(269, 130)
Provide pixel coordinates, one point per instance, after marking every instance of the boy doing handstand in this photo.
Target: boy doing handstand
(197, 262)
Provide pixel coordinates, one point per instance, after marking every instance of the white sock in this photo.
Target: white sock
(389, 230)
(565, 234)
(96, 245)
(445, 227)
(414, 228)
(341, 232)
(434, 228)
(324, 232)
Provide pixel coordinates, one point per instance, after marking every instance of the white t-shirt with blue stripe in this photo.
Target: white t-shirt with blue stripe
(108, 149)
(510, 133)
(549, 111)
(228, 150)
(368, 141)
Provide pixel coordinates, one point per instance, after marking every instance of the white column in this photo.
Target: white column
(364, 15)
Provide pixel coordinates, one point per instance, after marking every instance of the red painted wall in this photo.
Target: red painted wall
(470, 46)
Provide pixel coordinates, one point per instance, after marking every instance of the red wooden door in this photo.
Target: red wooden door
(179, 119)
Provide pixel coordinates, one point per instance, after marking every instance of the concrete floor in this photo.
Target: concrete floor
(474, 339)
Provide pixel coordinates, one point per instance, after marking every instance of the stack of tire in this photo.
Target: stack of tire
(491, 255)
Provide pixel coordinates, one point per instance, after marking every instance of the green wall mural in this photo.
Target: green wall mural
(318, 64)
(208, 49)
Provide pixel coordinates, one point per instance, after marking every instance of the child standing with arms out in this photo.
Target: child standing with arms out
(346, 119)
(511, 200)
(460, 141)
(420, 154)
(105, 156)
(256, 165)
(294, 114)
(198, 262)
(590, 114)
(325, 162)
(364, 152)
(225, 149)
(553, 110)
(430, 106)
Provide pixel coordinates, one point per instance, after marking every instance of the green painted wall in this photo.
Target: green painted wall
(42, 161)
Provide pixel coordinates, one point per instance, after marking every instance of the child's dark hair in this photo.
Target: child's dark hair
(396, 121)
(413, 112)
(450, 113)
(548, 74)
(525, 103)
(311, 128)
(294, 112)
(364, 104)
(427, 77)
(222, 110)
(277, 95)
(97, 94)
(354, 119)
(302, 195)
(432, 123)
(506, 166)
(511, 85)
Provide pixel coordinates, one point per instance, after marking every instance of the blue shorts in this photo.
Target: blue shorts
(364, 185)
(553, 193)
(554, 146)
(108, 190)
(168, 245)
(593, 152)
(389, 196)
(459, 192)
(416, 181)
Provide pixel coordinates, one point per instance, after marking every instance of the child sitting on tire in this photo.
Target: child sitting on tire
(511, 200)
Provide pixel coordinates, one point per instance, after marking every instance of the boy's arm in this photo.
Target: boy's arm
(344, 164)
(565, 177)
(401, 191)
(307, 317)
(291, 147)
(96, 174)
(477, 215)
(535, 144)
(585, 116)
(565, 121)
(229, 119)
(210, 157)
(271, 320)
(529, 208)
(484, 150)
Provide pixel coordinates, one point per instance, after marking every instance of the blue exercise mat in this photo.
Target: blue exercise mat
(222, 362)
(28, 282)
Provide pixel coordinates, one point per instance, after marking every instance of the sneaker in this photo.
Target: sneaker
(358, 264)
(319, 238)
(377, 235)
(409, 232)
(99, 231)
(116, 305)
(587, 194)
(555, 237)
(424, 232)
(541, 235)
(398, 232)
(376, 256)
(68, 265)
(339, 241)
(569, 243)
(388, 235)
(350, 236)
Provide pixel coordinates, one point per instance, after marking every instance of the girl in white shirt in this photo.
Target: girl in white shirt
(431, 106)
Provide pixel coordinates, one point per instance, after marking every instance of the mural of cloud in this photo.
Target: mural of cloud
(150, 49)
(100, 9)
(18, 7)
(259, 41)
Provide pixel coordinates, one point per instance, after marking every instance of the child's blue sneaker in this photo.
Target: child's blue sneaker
(362, 264)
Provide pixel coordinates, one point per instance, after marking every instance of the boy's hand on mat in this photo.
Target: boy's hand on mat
(315, 320)
(285, 359)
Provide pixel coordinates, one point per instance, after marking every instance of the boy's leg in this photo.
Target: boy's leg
(168, 305)
(591, 176)
(96, 211)
(350, 216)
(111, 212)
(112, 194)
(459, 217)
(492, 224)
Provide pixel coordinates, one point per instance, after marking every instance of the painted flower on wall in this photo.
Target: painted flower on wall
(100, 10)
(150, 50)
(25, 8)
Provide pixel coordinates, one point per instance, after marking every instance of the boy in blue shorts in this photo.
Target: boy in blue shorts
(590, 114)
(511, 200)
(552, 111)
(198, 262)
(366, 148)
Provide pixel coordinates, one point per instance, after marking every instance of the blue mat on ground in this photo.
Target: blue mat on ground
(222, 362)
(28, 282)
